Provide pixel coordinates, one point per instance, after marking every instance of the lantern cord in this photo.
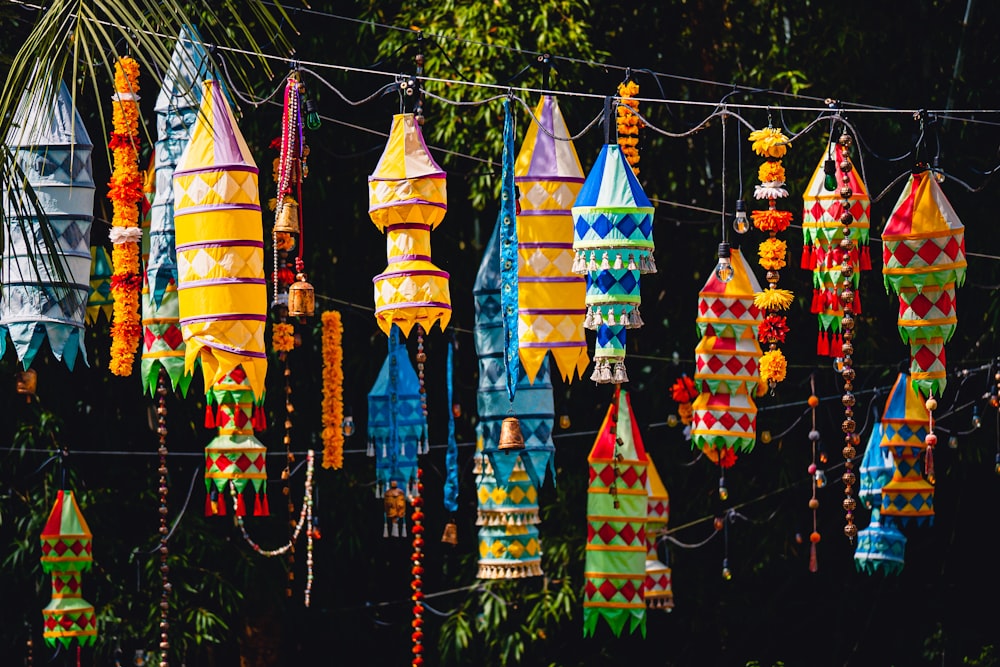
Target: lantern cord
(723, 169)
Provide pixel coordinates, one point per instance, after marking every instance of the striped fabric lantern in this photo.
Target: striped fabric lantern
(726, 363)
(551, 297)
(613, 240)
(659, 590)
(822, 231)
(176, 109)
(66, 555)
(923, 256)
(52, 148)
(617, 504)
(408, 197)
(222, 295)
(881, 546)
(907, 497)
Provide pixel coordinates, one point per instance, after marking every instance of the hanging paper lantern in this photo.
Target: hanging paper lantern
(923, 254)
(551, 297)
(727, 358)
(52, 148)
(908, 496)
(881, 546)
(66, 554)
(222, 295)
(176, 109)
(408, 198)
(659, 592)
(613, 240)
(397, 432)
(615, 567)
(823, 230)
(99, 302)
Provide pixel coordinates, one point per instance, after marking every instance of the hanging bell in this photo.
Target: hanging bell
(287, 219)
(450, 535)
(27, 383)
(301, 297)
(510, 434)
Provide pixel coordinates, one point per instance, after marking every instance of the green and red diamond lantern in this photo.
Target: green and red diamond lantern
(727, 371)
(823, 229)
(907, 497)
(617, 504)
(66, 554)
(923, 253)
(659, 590)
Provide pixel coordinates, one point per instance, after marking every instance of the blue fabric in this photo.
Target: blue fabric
(451, 456)
(508, 255)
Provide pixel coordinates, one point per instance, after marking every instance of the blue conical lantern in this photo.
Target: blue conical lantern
(881, 546)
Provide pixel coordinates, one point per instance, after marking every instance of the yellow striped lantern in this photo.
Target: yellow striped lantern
(659, 590)
(907, 497)
(222, 295)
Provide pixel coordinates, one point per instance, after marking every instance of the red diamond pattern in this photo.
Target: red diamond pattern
(607, 475)
(589, 589)
(629, 476)
(627, 533)
(607, 589)
(148, 338)
(244, 462)
(734, 365)
(902, 253)
(929, 252)
(237, 375)
(718, 307)
(714, 364)
(921, 305)
(925, 357)
(817, 210)
(173, 336)
(737, 309)
(606, 533)
(629, 591)
(952, 248)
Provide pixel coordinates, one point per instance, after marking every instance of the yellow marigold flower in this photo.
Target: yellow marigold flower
(127, 75)
(769, 142)
(772, 254)
(283, 337)
(771, 172)
(773, 299)
(773, 366)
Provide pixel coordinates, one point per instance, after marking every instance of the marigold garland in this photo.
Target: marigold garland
(684, 392)
(333, 390)
(283, 337)
(771, 220)
(771, 172)
(769, 142)
(772, 254)
(773, 328)
(628, 123)
(125, 192)
(773, 366)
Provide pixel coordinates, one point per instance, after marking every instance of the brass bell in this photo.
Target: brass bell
(510, 434)
(287, 219)
(450, 533)
(27, 383)
(301, 297)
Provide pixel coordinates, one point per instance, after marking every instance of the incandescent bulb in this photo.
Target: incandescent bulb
(313, 121)
(740, 223)
(724, 269)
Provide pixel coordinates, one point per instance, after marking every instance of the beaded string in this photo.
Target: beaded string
(814, 536)
(417, 570)
(161, 431)
(286, 474)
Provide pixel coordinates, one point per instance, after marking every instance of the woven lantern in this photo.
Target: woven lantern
(408, 198)
(907, 497)
(551, 297)
(613, 240)
(923, 255)
(881, 546)
(66, 554)
(617, 505)
(51, 146)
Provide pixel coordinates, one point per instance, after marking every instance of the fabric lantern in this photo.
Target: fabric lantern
(613, 244)
(408, 197)
(907, 497)
(727, 371)
(397, 429)
(52, 149)
(66, 555)
(99, 302)
(822, 231)
(551, 297)
(615, 566)
(176, 109)
(222, 294)
(659, 592)
(923, 256)
(533, 402)
(881, 546)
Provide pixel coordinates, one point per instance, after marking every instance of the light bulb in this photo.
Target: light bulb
(347, 426)
(724, 269)
(564, 421)
(313, 121)
(820, 479)
(740, 223)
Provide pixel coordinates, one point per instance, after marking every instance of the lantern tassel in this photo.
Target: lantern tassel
(209, 416)
(631, 263)
(929, 463)
(618, 262)
(806, 262)
(241, 507)
(823, 344)
(813, 562)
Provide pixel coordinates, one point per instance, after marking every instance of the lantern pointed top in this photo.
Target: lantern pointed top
(406, 154)
(546, 153)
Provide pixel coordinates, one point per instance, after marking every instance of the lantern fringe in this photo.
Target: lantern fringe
(333, 392)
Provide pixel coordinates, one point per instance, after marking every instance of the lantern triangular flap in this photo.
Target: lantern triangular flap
(875, 469)
(881, 547)
(66, 537)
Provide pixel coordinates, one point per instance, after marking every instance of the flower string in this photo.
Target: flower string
(628, 123)
(125, 190)
(771, 144)
(333, 390)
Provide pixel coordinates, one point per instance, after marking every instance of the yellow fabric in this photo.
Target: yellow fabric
(405, 154)
(393, 294)
(407, 242)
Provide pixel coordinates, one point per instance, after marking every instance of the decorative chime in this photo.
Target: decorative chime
(50, 144)
(397, 433)
(223, 295)
(66, 555)
(550, 295)
(617, 505)
(881, 546)
(613, 242)
(659, 592)
(513, 454)
(727, 371)
(907, 497)
(824, 209)
(923, 254)
(176, 107)
(407, 199)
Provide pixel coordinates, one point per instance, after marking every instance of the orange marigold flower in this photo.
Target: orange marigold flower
(773, 366)
(771, 172)
(769, 142)
(771, 220)
(772, 254)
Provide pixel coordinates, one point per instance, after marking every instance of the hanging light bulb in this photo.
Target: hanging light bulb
(820, 478)
(953, 442)
(727, 574)
(976, 421)
(724, 269)
(740, 223)
(723, 491)
(313, 121)
(347, 426)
